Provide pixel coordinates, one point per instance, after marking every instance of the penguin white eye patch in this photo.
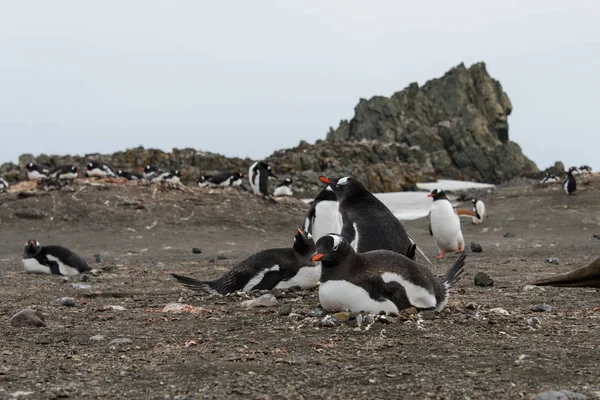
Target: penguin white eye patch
(343, 181)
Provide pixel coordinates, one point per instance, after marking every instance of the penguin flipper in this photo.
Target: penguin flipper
(269, 281)
(195, 284)
(412, 251)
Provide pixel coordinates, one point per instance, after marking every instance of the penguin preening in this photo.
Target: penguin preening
(570, 184)
(36, 171)
(323, 217)
(479, 210)
(367, 224)
(226, 179)
(284, 188)
(268, 269)
(54, 260)
(259, 174)
(67, 172)
(130, 176)
(98, 169)
(379, 280)
(444, 224)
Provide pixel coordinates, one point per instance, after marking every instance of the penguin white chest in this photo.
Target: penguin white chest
(342, 295)
(68, 175)
(327, 219)
(445, 226)
(32, 265)
(32, 175)
(283, 191)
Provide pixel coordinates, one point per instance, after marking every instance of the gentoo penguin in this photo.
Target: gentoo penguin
(130, 176)
(284, 188)
(378, 280)
(570, 184)
(69, 172)
(259, 174)
(36, 171)
(55, 260)
(324, 215)
(202, 180)
(266, 270)
(585, 168)
(444, 224)
(172, 178)
(479, 210)
(3, 185)
(150, 171)
(98, 169)
(586, 276)
(549, 178)
(226, 179)
(367, 224)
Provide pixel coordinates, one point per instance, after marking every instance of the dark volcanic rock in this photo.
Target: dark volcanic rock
(28, 317)
(483, 279)
(476, 247)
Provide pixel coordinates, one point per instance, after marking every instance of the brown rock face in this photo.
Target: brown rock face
(459, 120)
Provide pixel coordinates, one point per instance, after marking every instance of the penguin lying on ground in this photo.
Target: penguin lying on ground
(367, 224)
(549, 178)
(202, 180)
(444, 224)
(323, 217)
(98, 169)
(66, 172)
(171, 178)
(570, 184)
(54, 260)
(479, 210)
(36, 171)
(3, 185)
(379, 280)
(284, 188)
(585, 169)
(259, 174)
(266, 270)
(226, 179)
(586, 276)
(130, 176)
(151, 171)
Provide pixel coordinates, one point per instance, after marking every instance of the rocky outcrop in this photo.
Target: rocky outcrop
(460, 120)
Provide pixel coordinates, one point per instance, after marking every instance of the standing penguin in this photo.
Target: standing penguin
(54, 260)
(444, 224)
(98, 169)
(284, 188)
(379, 280)
(367, 224)
(65, 172)
(36, 171)
(259, 174)
(266, 270)
(3, 185)
(479, 210)
(570, 184)
(324, 215)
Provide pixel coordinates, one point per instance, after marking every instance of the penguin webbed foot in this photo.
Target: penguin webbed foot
(441, 256)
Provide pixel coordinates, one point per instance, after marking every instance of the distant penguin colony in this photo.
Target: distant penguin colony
(259, 174)
(379, 280)
(323, 217)
(570, 184)
(444, 225)
(284, 188)
(55, 260)
(479, 210)
(266, 270)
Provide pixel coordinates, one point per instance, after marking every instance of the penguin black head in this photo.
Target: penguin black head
(238, 175)
(30, 167)
(474, 201)
(178, 173)
(91, 165)
(120, 172)
(344, 187)
(32, 248)
(438, 194)
(331, 249)
(304, 243)
(149, 168)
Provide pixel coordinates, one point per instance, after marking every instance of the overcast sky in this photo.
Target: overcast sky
(244, 78)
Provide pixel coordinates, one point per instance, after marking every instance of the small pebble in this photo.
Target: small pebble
(552, 260)
(372, 381)
(532, 287)
(358, 320)
(500, 311)
(342, 316)
(597, 236)
(278, 293)
(67, 302)
(534, 322)
(471, 306)
(197, 250)
(429, 314)
(384, 319)
(476, 247)
(368, 319)
(509, 235)
(120, 341)
(317, 312)
(330, 321)
(221, 256)
(266, 300)
(84, 278)
(483, 279)
(80, 286)
(28, 317)
(97, 338)
(542, 308)
(98, 258)
(112, 308)
(285, 310)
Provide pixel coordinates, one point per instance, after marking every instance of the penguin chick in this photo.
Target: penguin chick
(54, 260)
(266, 270)
(379, 280)
(444, 224)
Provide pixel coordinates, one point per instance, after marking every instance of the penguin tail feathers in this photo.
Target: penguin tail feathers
(412, 251)
(454, 272)
(195, 284)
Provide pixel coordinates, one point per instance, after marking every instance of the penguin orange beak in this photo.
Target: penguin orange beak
(430, 195)
(318, 257)
(31, 243)
(299, 231)
(325, 179)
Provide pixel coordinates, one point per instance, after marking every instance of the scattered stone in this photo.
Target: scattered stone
(552, 260)
(295, 288)
(97, 338)
(532, 287)
(20, 393)
(120, 341)
(179, 308)
(278, 293)
(534, 322)
(330, 321)
(483, 279)
(368, 319)
(542, 308)
(317, 312)
(471, 306)
(509, 235)
(98, 258)
(476, 247)
(84, 278)
(221, 255)
(559, 395)
(597, 236)
(81, 286)
(67, 302)
(384, 319)
(285, 310)
(343, 316)
(197, 250)
(28, 317)
(112, 308)
(372, 381)
(500, 311)
(266, 300)
(428, 315)
(358, 320)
